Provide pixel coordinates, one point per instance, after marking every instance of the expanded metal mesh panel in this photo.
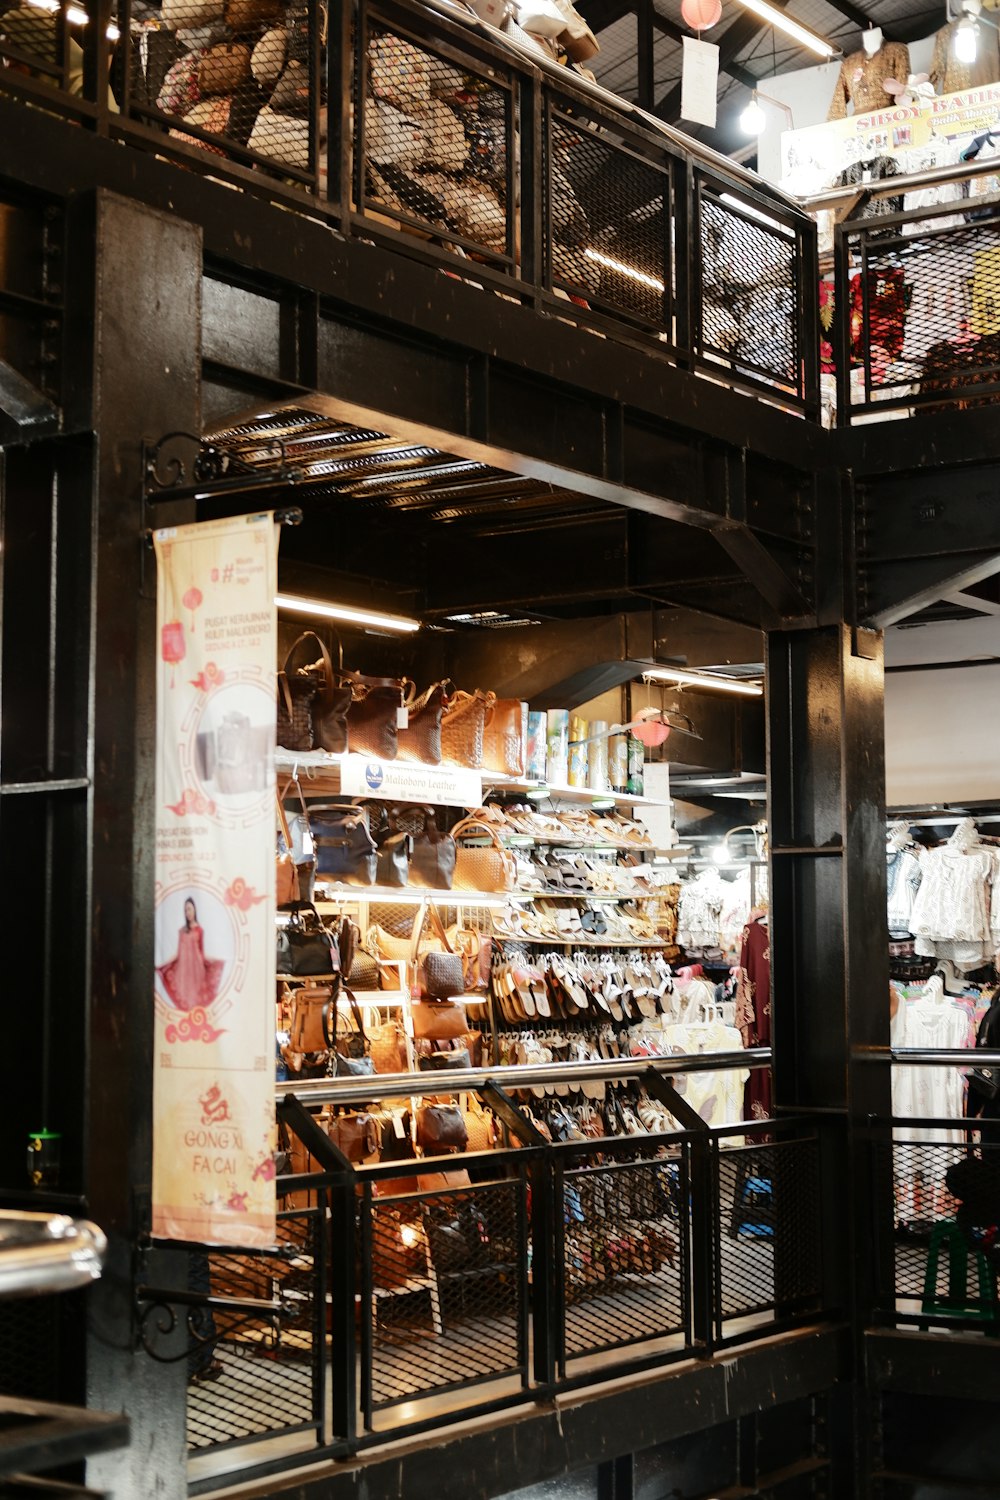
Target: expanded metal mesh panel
(607, 223)
(257, 1378)
(943, 1261)
(750, 313)
(924, 312)
(30, 1344)
(444, 1303)
(624, 1251)
(37, 44)
(436, 146)
(237, 77)
(769, 1243)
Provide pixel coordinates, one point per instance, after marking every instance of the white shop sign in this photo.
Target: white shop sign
(455, 786)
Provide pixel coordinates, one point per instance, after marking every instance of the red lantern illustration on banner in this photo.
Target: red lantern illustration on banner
(172, 647)
(191, 601)
(701, 15)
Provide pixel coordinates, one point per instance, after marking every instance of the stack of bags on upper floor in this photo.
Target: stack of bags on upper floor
(233, 68)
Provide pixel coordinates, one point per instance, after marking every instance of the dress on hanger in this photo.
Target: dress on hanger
(698, 911)
(924, 1091)
(861, 80)
(753, 1012)
(950, 75)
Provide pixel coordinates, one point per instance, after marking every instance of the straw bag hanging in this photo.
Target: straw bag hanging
(463, 725)
(483, 869)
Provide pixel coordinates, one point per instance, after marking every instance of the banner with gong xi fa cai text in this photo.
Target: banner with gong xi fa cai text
(213, 1078)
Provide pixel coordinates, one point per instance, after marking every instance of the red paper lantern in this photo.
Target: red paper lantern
(650, 730)
(191, 601)
(701, 15)
(172, 646)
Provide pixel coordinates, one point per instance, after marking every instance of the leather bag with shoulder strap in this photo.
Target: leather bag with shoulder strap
(421, 739)
(345, 850)
(394, 846)
(480, 868)
(308, 1051)
(463, 726)
(441, 975)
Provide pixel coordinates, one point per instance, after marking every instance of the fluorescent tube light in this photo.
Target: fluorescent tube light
(300, 606)
(623, 269)
(704, 680)
(794, 29)
(76, 15)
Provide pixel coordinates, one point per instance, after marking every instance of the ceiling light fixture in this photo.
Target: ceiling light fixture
(966, 40)
(622, 269)
(753, 120)
(723, 855)
(300, 606)
(76, 15)
(794, 29)
(680, 675)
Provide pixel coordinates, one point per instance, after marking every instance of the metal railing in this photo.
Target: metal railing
(422, 128)
(464, 1284)
(916, 294)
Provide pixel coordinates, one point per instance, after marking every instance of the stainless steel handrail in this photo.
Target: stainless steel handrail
(48, 1253)
(465, 1080)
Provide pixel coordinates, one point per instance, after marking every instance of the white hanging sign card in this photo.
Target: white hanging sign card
(700, 82)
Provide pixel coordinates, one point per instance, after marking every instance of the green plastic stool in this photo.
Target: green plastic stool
(946, 1235)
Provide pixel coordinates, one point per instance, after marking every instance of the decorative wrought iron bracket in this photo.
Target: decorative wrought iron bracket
(183, 466)
(159, 1309)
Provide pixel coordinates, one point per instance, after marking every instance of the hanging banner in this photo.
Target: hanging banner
(213, 1076)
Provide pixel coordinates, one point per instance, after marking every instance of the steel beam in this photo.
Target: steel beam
(135, 294)
(829, 961)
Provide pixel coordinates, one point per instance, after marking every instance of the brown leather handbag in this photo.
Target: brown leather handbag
(441, 1127)
(372, 720)
(223, 68)
(503, 738)
(421, 739)
(463, 726)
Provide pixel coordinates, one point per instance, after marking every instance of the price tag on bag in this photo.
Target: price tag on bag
(402, 718)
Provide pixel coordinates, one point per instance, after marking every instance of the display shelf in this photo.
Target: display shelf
(581, 795)
(577, 942)
(320, 773)
(338, 896)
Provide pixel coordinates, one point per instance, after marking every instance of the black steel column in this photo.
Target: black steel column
(135, 353)
(829, 953)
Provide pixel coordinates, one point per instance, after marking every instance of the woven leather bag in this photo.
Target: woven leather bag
(421, 739)
(388, 1048)
(479, 1127)
(463, 726)
(372, 727)
(294, 725)
(503, 738)
(394, 917)
(483, 869)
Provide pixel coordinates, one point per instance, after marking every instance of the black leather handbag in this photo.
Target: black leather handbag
(432, 857)
(345, 850)
(305, 946)
(394, 848)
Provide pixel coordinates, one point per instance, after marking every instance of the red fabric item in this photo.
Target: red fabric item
(753, 1013)
(192, 980)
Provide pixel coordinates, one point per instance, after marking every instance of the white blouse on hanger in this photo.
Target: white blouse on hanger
(928, 1091)
(951, 910)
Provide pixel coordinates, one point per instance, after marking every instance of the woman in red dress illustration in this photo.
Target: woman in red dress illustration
(191, 980)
